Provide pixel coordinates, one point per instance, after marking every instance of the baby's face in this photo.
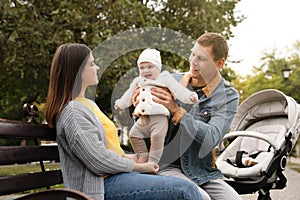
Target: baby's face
(149, 70)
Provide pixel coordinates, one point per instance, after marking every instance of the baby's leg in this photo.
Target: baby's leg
(138, 132)
(140, 148)
(159, 130)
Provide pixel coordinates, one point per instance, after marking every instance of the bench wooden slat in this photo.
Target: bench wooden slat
(10, 155)
(57, 194)
(21, 130)
(19, 183)
(25, 154)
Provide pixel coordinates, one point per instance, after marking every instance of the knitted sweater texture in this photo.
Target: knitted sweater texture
(83, 155)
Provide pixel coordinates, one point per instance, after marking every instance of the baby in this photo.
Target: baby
(152, 117)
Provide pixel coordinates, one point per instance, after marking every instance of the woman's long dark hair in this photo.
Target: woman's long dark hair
(66, 65)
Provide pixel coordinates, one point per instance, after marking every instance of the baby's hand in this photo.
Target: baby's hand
(132, 157)
(116, 107)
(194, 98)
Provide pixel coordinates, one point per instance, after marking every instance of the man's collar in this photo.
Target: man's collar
(210, 86)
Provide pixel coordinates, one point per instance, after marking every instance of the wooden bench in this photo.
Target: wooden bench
(33, 134)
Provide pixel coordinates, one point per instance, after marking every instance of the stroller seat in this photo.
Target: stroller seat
(262, 135)
(256, 153)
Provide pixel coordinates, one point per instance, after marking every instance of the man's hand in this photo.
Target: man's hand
(163, 96)
(135, 99)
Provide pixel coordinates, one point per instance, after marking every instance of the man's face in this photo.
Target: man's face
(201, 60)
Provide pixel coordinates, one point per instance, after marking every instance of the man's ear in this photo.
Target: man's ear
(220, 63)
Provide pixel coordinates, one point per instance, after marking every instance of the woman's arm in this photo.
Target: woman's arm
(148, 167)
(85, 141)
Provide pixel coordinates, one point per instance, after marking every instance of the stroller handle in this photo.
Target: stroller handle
(254, 135)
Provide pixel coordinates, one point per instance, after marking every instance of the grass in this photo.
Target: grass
(27, 168)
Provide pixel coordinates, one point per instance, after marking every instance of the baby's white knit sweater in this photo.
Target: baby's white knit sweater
(147, 106)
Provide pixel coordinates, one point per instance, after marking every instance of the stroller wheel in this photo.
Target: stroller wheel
(283, 163)
(264, 195)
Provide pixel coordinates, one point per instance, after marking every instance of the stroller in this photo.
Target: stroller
(263, 134)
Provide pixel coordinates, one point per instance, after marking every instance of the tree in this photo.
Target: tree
(269, 74)
(30, 32)
(191, 18)
(195, 17)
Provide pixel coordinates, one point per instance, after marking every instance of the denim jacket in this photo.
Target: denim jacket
(200, 130)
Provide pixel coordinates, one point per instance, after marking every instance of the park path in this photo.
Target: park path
(291, 192)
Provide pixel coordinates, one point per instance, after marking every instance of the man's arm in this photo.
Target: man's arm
(207, 134)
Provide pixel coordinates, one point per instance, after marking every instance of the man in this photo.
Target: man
(195, 130)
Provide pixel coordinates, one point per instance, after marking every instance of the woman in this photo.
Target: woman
(90, 155)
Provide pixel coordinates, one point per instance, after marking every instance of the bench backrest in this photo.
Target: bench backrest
(22, 154)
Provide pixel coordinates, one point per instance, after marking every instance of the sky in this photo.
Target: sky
(269, 25)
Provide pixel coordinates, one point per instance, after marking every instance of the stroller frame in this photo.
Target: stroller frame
(271, 176)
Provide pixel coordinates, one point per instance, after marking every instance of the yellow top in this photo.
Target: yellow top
(112, 140)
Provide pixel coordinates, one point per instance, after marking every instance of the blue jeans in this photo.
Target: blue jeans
(135, 186)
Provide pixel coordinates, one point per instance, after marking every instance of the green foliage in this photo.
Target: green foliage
(10, 170)
(229, 74)
(269, 74)
(198, 16)
(31, 30)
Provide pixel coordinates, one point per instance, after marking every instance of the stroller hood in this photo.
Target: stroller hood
(264, 131)
(267, 103)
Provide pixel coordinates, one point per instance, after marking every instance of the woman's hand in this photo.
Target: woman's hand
(148, 167)
(164, 97)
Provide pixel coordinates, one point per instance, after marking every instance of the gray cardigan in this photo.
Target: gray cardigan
(83, 155)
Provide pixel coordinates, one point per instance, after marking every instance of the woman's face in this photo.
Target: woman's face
(89, 73)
